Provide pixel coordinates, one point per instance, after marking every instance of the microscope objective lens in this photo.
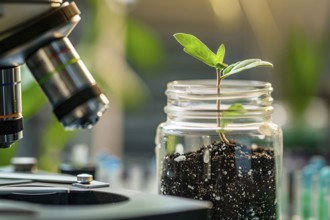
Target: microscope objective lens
(72, 91)
(11, 120)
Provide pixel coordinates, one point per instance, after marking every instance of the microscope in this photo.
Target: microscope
(35, 33)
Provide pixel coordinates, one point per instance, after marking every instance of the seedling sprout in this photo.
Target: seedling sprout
(196, 48)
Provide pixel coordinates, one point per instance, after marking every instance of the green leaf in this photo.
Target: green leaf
(244, 65)
(234, 110)
(194, 47)
(220, 54)
(171, 144)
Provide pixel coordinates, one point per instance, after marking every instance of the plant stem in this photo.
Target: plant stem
(222, 135)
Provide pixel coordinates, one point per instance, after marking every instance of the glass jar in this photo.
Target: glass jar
(222, 148)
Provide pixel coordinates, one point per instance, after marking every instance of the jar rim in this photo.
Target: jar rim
(246, 85)
(229, 88)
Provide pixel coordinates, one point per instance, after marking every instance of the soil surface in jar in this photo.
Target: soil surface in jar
(238, 180)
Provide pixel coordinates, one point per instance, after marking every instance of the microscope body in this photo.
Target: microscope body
(38, 37)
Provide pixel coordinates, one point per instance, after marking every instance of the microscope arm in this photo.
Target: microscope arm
(20, 42)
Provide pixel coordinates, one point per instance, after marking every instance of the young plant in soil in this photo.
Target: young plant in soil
(240, 180)
(194, 47)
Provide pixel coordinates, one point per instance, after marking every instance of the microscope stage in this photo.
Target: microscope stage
(31, 199)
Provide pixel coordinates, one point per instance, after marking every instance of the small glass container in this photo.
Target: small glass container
(221, 147)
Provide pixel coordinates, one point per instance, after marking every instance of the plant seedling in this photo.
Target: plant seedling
(194, 47)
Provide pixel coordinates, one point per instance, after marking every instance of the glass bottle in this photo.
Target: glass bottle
(221, 147)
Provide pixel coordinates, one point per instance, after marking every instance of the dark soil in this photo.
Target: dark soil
(239, 180)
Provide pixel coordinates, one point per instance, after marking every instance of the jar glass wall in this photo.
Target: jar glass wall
(222, 148)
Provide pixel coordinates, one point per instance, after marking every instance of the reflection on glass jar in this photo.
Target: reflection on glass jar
(209, 150)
